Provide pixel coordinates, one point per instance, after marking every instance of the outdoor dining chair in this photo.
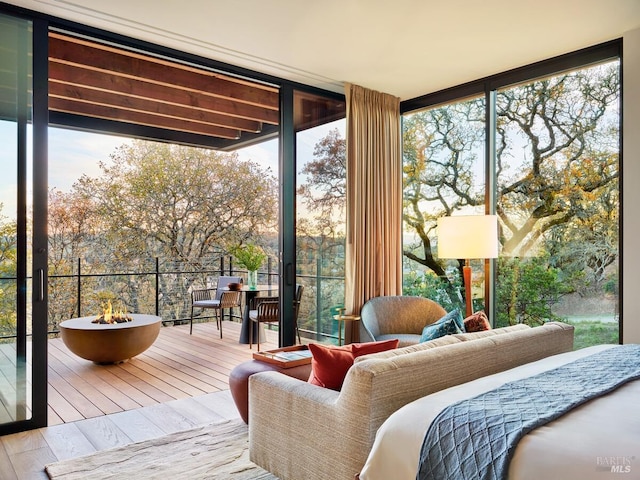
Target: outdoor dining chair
(217, 299)
(266, 310)
(270, 313)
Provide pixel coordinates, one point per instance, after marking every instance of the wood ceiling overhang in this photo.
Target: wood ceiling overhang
(101, 87)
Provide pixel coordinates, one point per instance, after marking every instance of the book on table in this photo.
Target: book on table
(286, 357)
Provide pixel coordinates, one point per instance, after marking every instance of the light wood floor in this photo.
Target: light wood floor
(177, 365)
(24, 455)
(179, 383)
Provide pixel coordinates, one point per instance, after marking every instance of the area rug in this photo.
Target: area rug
(217, 451)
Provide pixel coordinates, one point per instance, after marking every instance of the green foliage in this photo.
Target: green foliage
(527, 289)
(249, 256)
(555, 183)
(8, 291)
(611, 285)
(181, 204)
(435, 288)
(588, 333)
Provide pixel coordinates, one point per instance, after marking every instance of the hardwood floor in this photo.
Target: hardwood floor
(179, 383)
(24, 455)
(177, 365)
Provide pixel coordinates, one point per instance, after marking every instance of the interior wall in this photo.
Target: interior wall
(631, 192)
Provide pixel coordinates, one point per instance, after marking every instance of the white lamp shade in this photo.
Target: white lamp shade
(468, 236)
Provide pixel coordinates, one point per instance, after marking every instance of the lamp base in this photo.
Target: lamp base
(466, 273)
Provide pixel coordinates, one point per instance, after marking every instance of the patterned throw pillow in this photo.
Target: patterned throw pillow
(451, 323)
(477, 322)
(329, 364)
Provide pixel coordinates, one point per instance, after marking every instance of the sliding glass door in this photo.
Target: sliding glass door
(23, 237)
(320, 140)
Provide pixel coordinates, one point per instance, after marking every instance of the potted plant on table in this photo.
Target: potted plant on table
(250, 256)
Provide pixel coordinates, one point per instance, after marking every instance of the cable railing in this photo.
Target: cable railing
(166, 292)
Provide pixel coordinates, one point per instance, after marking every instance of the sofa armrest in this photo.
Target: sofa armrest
(291, 422)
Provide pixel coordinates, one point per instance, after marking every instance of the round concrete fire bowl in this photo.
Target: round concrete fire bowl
(110, 343)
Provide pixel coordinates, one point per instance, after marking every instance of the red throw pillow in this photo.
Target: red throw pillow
(366, 348)
(329, 364)
(477, 322)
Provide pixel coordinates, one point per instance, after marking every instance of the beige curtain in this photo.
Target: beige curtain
(374, 197)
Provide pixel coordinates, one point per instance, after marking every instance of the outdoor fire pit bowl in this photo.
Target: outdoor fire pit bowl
(110, 343)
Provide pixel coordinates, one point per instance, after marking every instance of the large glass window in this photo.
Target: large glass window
(320, 213)
(552, 179)
(558, 202)
(444, 174)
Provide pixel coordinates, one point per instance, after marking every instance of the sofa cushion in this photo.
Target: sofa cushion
(415, 347)
(449, 324)
(491, 333)
(477, 322)
(329, 364)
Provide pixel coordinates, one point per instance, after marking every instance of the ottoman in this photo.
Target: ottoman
(239, 381)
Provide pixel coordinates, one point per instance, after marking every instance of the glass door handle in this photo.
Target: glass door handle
(41, 284)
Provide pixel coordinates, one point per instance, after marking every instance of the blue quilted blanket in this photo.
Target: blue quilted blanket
(475, 438)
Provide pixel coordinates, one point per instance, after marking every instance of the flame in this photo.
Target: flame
(108, 313)
(109, 316)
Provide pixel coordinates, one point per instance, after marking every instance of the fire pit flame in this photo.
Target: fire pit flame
(109, 316)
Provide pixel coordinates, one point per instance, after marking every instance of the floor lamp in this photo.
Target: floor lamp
(466, 237)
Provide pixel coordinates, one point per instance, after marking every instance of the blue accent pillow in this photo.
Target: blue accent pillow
(451, 323)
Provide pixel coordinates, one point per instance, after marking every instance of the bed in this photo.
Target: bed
(602, 435)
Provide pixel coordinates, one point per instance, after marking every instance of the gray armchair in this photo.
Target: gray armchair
(401, 317)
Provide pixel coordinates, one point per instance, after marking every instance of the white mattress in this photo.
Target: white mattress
(583, 444)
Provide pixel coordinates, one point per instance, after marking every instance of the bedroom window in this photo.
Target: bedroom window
(557, 170)
(444, 173)
(541, 152)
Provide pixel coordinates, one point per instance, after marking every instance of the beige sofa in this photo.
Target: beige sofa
(302, 431)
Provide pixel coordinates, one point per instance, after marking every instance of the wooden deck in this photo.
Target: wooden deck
(24, 455)
(176, 366)
(177, 384)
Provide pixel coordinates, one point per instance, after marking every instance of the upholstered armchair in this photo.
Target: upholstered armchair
(401, 317)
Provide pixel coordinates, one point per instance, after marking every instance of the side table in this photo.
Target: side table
(341, 318)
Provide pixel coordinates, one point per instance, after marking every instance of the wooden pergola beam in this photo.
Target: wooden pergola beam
(131, 103)
(134, 65)
(138, 118)
(77, 76)
(101, 81)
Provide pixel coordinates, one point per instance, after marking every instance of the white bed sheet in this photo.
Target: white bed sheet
(583, 444)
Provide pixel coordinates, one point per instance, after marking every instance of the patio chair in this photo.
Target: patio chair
(217, 298)
(266, 310)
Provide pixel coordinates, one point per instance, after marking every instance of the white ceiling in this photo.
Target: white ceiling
(405, 48)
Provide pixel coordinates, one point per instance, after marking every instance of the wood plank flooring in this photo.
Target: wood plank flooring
(179, 383)
(24, 455)
(177, 365)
